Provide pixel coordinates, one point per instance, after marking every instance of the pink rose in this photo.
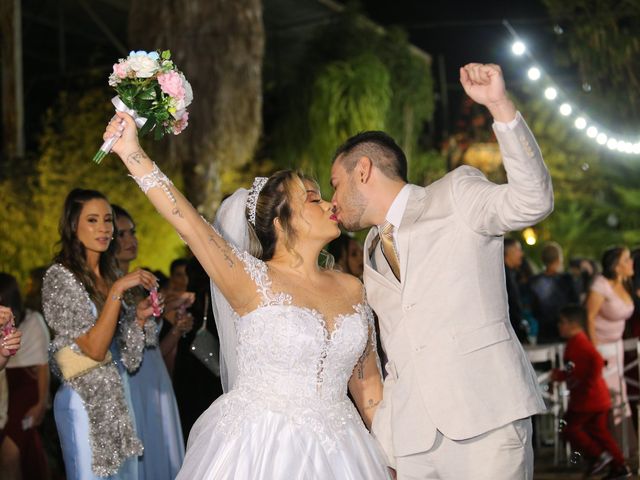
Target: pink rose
(121, 70)
(180, 124)
(171, 84)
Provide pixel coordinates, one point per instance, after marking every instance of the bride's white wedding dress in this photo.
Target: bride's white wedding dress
(288, 415)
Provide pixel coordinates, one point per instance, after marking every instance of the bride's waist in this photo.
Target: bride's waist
(291, 392)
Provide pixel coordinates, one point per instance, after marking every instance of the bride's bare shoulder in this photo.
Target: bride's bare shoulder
(348, 283)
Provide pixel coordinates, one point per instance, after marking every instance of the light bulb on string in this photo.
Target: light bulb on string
(518, 48)
(550, 93)
(534, 73)
(565, 109)
(580, 123)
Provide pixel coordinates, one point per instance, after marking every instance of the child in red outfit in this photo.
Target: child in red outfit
(589, 401)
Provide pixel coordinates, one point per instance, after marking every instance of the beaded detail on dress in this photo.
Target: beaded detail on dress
(289, 363)
(70, 313)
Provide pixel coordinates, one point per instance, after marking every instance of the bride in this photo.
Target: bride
(294, 336)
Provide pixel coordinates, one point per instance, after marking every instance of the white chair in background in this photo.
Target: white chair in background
(612, 351)
(554, 393)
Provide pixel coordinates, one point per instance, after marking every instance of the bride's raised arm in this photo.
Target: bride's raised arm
(212, 251)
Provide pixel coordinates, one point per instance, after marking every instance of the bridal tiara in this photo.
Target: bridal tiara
(252, 199)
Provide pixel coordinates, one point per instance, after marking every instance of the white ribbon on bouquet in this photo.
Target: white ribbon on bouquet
(121, 107)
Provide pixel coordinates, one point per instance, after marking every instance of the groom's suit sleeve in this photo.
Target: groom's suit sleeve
(526, 199)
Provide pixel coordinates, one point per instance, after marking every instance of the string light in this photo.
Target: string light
(518, 48)
(534, 73)
(550, 93)
(565, 109)
(601, 135)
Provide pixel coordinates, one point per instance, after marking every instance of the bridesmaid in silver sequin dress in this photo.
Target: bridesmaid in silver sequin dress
(82, 300)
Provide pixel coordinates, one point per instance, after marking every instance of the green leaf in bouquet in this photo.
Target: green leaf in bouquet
(148, 94)
(148, 126)
(143, 106)
(158, 133)
(166, 54)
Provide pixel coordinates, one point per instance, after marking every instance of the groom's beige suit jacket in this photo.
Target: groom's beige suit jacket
(455, 363)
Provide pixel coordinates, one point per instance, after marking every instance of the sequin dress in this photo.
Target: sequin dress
(288, 415)
(92, 411)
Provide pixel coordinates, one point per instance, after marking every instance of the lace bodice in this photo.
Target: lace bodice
(287, 350)
(289, 363)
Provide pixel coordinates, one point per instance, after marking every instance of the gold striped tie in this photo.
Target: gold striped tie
(389, 249)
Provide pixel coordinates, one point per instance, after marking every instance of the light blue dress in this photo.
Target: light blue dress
(72, 423)
(93, 410)
(157, 419)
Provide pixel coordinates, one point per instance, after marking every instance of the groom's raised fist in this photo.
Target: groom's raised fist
(484, 84)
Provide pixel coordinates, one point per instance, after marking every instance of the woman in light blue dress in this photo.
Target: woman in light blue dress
(82, 300)
(154, 402)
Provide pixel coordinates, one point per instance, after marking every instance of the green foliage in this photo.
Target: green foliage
(353, 77)
(33, 203)
(601, 37)
(347, 97)
(595, 203)
(596, 195)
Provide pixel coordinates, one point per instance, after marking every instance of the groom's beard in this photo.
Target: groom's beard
(356, 203)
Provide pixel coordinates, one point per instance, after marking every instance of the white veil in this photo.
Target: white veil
(231, 223)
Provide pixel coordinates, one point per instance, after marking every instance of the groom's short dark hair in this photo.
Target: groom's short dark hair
(380, 148)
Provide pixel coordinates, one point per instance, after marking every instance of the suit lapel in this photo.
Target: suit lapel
(415, 207)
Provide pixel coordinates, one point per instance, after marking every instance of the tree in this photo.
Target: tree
(353, 76)
(602, 38)
(219, 46)
(33, 199)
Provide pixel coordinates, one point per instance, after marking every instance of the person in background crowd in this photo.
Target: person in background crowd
(10, 339)
(348, 255)
(86, 303)
(178, 278)
(609, 306)
(589, 400)
(552, 289)
(524, 275)
(154, 403)
(181, 319)
(196, 386)
(633, 325)
(28, 384)
(33, 295)
(513, 256)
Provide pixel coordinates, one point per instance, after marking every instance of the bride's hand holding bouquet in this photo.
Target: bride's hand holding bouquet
(153, 92)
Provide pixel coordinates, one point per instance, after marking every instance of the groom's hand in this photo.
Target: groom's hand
(485, 85)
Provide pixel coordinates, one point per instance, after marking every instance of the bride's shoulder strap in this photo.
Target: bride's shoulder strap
(259, 273)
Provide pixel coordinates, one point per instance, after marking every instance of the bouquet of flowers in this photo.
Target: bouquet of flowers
(153, 91)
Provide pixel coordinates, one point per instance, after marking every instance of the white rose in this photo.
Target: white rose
(188, 91)
(144, 66)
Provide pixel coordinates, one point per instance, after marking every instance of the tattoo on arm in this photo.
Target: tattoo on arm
(136, 157)
(224, 249)
(371, 404)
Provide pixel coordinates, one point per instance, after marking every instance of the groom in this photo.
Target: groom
(460, 391)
